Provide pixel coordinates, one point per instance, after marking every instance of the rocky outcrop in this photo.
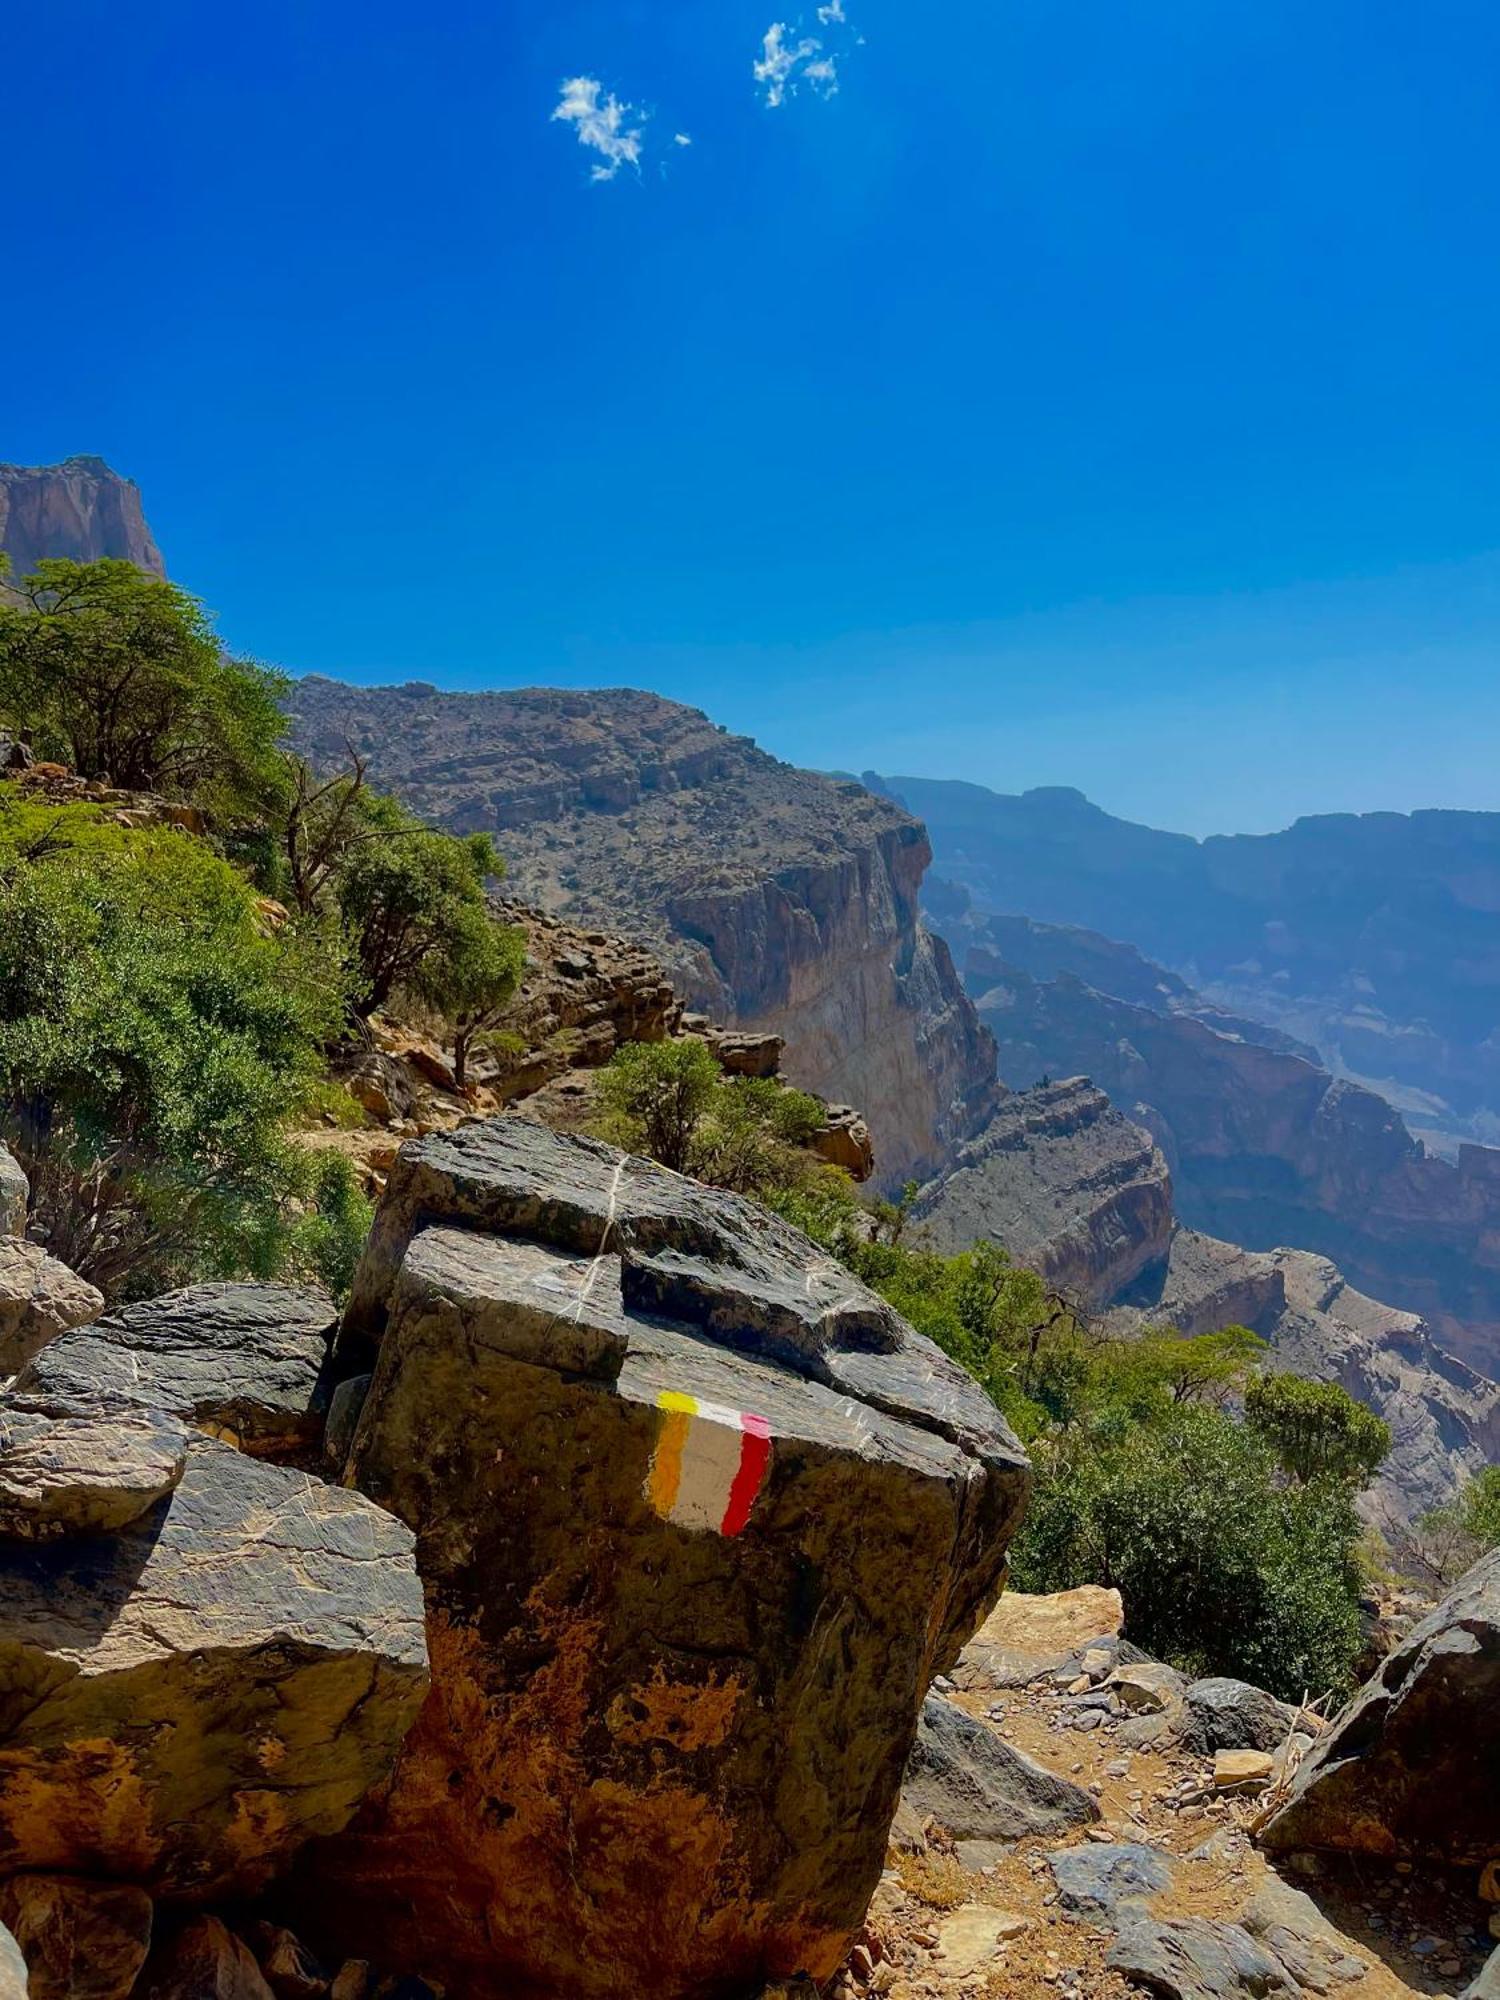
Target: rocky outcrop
(698, 1518)
(79, 509)
(982, 1790)
(777, 900)
(1065, 1184)
(1266, 1148)
(244, 1362)
(81, 1940)
(1411, 1768)
(40, 1298)
(186, 1700)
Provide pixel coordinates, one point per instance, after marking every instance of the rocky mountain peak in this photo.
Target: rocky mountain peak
(81, 509)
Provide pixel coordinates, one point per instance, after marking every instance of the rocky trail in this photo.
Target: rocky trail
(1159, 1883)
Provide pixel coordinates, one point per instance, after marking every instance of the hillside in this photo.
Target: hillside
(777, 899)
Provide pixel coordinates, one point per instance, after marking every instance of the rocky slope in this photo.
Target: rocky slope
(777, 900)
(1371, 936)
(79, 509)
(1267, 1148)
(1065, 1184)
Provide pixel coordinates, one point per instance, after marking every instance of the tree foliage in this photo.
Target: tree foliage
(672, 1102)
(413, 901)
(1316, 1429)
(153, 1039)
(1450, 1539)
(120, 676)
(1145, 1477)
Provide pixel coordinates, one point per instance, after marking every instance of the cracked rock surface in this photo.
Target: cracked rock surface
(698, 1518)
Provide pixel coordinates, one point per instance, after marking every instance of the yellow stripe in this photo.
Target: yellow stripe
(666, 1462)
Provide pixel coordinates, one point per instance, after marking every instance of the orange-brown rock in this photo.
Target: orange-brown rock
(699, 1518)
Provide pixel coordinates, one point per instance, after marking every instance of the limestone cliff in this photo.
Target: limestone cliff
(1267, 1148)
(79, 509)
(777, 899)
(1444, 1417)
(1064, 1183)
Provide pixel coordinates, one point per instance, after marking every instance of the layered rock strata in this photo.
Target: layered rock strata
(698, 1519)
(1065, 1184)
(777, 900)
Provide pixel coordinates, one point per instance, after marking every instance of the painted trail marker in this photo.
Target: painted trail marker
(709, 1463)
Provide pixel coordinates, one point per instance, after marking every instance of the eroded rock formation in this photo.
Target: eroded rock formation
(1066, 1184)
(79, 509)
(777, 900)
(698, 1519)
(1266, 1148)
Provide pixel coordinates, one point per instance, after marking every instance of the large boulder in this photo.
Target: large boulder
(40, 1299)
(979, 1788)
(70, 1469)
(1026, 1636)
(1224, 1714)
(1194, 1958)
(15, 1194)
(12, 1968)
(202, 1961)
(244, 1362)
(1412, 1766)
(699, 1518)
(184, 1702)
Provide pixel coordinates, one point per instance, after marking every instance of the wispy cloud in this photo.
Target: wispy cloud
(604, 124)
(790, 60)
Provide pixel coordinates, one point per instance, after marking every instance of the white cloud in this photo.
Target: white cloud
(785, 65)
(682, 138)
(603, 124)
(833, 12)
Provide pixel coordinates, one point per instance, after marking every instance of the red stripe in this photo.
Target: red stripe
(755, 1453)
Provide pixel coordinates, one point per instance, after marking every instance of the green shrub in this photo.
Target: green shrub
(326, 1241)
(153, 1040)
(1316, 1429)
(1223, 1568)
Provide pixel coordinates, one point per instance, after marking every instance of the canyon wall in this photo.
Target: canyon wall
(1267, 1148)
(776, 899)
(1372, 936)
(79, 509)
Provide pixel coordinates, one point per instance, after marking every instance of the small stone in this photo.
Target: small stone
(1236, 1768)
(1489, 1881)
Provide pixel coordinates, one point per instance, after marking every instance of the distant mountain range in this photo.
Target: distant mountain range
(1374, 937)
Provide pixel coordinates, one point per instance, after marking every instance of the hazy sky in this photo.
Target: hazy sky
(1031, 393)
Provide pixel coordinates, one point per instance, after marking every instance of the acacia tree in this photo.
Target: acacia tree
(121, 676)
(1317, 1429)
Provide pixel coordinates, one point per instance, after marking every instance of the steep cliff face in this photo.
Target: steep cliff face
(776, 899)
(1064, 1183)
(79, 509)
(1267, 1148)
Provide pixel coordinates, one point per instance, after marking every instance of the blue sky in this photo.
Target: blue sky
(1097, 394)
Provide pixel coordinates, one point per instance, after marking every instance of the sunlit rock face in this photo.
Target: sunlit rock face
(698, 1519)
